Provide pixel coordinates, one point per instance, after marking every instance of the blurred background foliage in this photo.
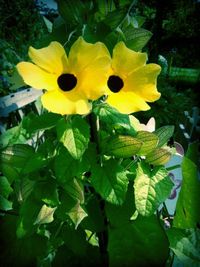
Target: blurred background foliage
(174, 25)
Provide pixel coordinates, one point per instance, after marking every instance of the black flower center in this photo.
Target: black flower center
(115, 83)
(67, 81)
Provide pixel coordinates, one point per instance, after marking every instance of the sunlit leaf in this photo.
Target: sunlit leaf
(136, 38)
(111, 117)
(121, 146)
(77, 214)
(74, 135)
(45, 215)
(158, 156)
(151, 189)
(164, 133)
(110, 181)
(149, 142)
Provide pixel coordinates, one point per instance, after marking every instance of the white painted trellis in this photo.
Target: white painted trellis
(13, 107)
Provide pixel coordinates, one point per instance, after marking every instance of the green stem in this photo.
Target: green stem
(166, 210)
(102, 236)
(173, 167)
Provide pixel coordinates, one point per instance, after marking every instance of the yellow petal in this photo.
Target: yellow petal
(51, 58)
(93, 79)
(127, 102)
(90, 63)
(83, 54)
(36, 77)
(125, 60)
(64, 103)
(143, 82)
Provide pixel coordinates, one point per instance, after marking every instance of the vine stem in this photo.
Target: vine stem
(102, 236)
(173, 167)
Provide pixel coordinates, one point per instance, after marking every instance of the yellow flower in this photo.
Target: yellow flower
(70, 81)
(131, 82)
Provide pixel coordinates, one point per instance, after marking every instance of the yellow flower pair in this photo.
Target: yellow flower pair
(87, 73)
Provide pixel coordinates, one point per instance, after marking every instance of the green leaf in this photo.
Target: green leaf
(74, 135)
(106, 6)
(9, 172)
(77, 214)
(95, 219)
(5, 204)
(135, 244)
(114, 18)
(33, 123)
(66, 204)
(28, 214)
(75, 239)
(45, 215)
(70, 207)
(15, 135)
(121, 146)
(151, 189)
(149, 142)
(48, 24)
(20, 252)
(110, 181)
(74, 189)
(187, 208)
(119, 215)
(111, 117)
(71, 12)
(67, 167)
(5, 188)
(185, 244)
(23, 188)
(16, 155)
(136, 38)
(16, 80)
(47, 192)
(164, 133)
(158, 156)
(34, 163)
